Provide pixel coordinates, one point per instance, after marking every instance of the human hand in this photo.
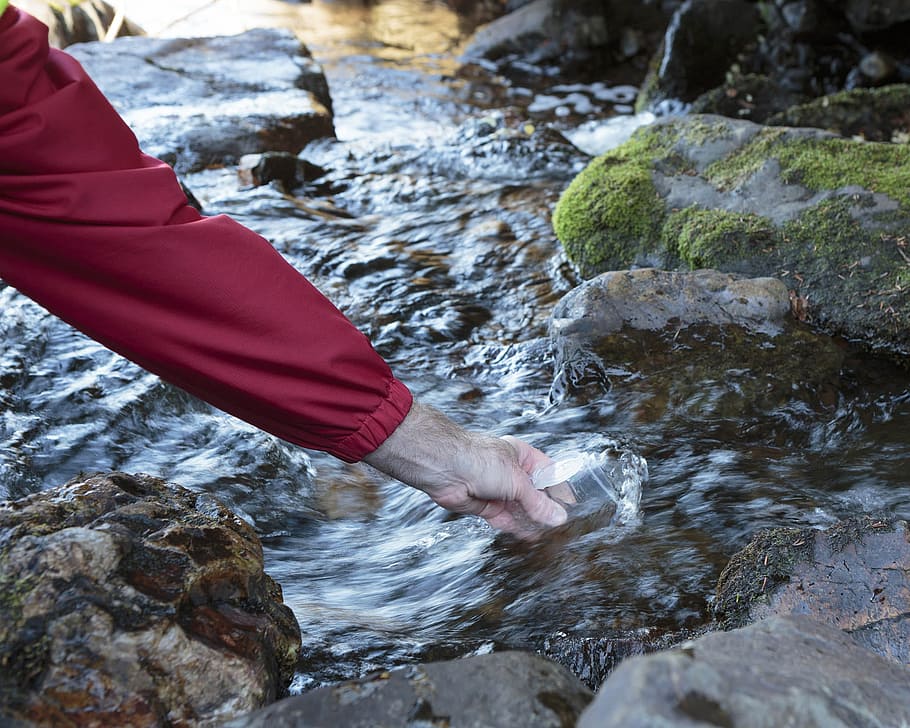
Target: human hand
(467, 472)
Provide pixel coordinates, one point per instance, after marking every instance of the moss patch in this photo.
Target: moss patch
(752, 574)
(611, 212)
(710, 238)
(821, 164)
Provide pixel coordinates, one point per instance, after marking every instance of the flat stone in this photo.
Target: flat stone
(503, 689)
(199, 102)
(784, 671)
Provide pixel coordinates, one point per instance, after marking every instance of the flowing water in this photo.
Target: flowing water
(441, 250)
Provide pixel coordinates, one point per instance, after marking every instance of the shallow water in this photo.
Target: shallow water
(447, 260)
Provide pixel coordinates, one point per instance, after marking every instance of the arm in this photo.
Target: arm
(101, 235)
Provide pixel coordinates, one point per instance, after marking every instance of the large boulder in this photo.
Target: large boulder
(854, 575)
(199, 102)
(498, 690)
(125, 600)
(826, 215)
(784, 671)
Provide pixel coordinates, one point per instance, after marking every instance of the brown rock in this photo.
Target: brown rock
(127, 600)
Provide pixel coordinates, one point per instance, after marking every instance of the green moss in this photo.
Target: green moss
(828, 231)
(24, 643)
(611, 211)
(753, 573)
(700, 130)
(821, 164)
(712, 238)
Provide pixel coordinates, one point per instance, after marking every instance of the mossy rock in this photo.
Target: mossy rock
(825, 214)
(874, 114)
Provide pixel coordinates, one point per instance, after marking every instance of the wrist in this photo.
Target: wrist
(423, 450)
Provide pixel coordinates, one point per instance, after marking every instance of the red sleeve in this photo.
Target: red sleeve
(101, 235)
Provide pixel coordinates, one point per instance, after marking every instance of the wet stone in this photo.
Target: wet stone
(854, 575)
(593, 659)
(781, 671)
(201, 102)
(498, 690)
(128, 600)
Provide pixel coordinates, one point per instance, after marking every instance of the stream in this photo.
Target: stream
(448, 261)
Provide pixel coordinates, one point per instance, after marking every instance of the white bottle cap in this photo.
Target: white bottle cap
(559, 471)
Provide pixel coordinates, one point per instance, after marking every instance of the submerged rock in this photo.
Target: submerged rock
(199, 102)
(498, 690)
(826, 215)
(790, 671)
(855, 576)
(125, 600)
(698, 343)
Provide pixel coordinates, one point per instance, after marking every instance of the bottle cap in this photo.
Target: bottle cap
(559, 471)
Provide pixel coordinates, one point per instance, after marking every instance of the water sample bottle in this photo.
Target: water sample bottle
(610, 476)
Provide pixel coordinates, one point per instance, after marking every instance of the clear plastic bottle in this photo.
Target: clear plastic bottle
(609, 476)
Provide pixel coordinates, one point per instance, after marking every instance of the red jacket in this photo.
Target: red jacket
(101, 235)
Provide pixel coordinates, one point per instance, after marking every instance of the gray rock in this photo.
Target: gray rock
(541, 30)
(826, 215)
(855, 576)
(200, 102)
(701, 41)
(125, 600)
(489, 691)
(784, 671)
(702, 342)
(651, 299)
(870, 15)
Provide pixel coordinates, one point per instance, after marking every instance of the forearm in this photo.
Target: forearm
(101, 235)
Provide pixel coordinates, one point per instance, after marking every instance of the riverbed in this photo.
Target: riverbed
(450, 265)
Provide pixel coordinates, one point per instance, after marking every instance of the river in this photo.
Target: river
(453, 269)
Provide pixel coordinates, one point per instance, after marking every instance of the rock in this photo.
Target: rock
(789, 671)
(541, 30)
(827, 215)
(79, 22)
(201, 102)
(704, 344)
(593, 658)
(125, 600)
(871, 15)
(500, 689)
(650, 299)
(286, 169)
(751, 96)
(855, 576)
(879, 115)
(702, 40)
